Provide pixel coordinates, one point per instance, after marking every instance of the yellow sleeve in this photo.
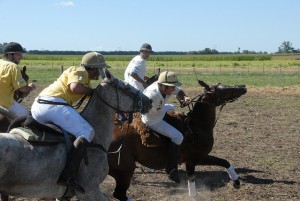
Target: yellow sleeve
(17, 79)
(77, 76)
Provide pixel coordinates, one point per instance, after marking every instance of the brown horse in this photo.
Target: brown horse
(197, 127)
(153, 78)
(18, 96)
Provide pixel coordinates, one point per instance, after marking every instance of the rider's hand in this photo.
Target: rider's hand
(146, 77)
(33, 87)
(187, 100)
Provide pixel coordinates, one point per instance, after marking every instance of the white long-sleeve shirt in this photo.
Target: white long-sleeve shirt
(138, 66)
(159, 106)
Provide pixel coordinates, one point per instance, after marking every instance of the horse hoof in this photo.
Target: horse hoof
(236, 183)
(174, 176)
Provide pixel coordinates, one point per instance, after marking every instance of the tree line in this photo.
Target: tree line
(285, 47)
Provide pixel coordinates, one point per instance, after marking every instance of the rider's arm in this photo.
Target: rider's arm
(27, 88)
(79, 88)
(137, 78)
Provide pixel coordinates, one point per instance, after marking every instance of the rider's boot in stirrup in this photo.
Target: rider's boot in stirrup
(70, 172)
(172, 165)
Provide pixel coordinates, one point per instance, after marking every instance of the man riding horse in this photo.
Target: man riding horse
(53, 105)
(160, 92)
(11, 80)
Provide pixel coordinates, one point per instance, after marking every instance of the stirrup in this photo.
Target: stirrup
(70, 181)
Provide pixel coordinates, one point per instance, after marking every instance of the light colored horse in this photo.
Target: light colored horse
(32, 170)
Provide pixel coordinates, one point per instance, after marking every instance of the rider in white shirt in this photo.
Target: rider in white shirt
(136, 69)
(159, 92)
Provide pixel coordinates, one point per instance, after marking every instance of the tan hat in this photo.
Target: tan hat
(94, 60)
(168, 78)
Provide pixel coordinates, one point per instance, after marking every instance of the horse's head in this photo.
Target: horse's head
(220, 94)
(153, 78)
(24, 75)
(122, 92)
(18, 95)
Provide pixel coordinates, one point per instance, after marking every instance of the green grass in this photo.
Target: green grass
(280, 73)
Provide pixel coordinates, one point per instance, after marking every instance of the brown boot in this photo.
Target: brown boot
(70, 172)
(172, 165)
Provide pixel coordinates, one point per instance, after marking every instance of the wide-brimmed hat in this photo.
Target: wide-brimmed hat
(168, 78)
(94, 60)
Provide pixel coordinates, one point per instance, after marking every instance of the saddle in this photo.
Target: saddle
(33, 131)
(149, 137)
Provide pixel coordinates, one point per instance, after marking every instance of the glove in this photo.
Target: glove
(33, 87)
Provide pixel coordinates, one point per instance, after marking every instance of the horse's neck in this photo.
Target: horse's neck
(204, 114)
(100, 117)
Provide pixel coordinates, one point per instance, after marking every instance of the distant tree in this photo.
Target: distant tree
(209, 51)
(1, 48)
(286, 47)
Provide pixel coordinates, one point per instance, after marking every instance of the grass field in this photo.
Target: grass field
(280, 71)
(258, 134)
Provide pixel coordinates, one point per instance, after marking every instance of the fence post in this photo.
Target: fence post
(62, 68)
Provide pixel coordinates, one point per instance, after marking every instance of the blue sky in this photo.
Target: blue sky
(168, 25)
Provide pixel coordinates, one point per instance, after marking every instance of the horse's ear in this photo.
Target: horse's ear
(203, 84)
(24, 69)
(108, 74)
(157, 71)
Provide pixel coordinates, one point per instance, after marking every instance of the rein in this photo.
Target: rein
(42, 101)
(218, 102)
(130, 116)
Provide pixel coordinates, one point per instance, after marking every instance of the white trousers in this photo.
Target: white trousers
(18, 109)
(169, 131)
(63, 116)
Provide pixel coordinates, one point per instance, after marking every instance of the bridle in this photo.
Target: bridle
(116, 84)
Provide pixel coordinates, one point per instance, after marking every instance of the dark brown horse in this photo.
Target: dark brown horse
(18, 96)
(197, 127)
(153, 78)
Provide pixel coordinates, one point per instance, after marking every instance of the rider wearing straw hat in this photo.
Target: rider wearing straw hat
(53, 105)
(160, 92)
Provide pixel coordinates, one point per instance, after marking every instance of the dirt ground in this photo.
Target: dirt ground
(259, 134)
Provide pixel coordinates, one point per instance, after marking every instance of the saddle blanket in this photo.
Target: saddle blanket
(41, 136)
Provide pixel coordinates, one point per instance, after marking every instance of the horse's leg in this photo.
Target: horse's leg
(123, 180)
(213, 160)
(4, 197)
(94, 194)
(190, 171)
